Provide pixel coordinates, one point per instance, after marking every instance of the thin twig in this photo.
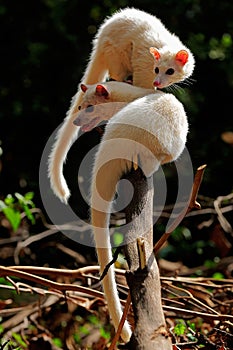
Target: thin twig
(114, 259)
(178, 310)
(55, 272)
(5, 272)
(122, 321)
(51, 231)
(222, 220)
(192, 204)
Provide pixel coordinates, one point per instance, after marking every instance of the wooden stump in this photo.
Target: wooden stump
(143, 275)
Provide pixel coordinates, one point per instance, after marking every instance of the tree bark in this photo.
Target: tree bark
(144, 281)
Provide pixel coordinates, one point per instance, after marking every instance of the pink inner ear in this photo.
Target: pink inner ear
(182, 57)
(101, 90)
(155, 53)
(83, 87)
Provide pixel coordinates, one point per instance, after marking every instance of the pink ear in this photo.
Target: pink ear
(155, 53)
(182, 57)
(84, 87)
(101, 90)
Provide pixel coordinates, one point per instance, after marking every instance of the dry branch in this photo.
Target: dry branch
(192, 204)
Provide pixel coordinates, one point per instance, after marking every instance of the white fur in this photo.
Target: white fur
(121, 47)
(154, 128)
(118, 91)
(119, 94)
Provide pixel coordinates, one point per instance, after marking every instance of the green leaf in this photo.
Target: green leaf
(104, 334)
(180, 233)
(93, 319)
(4, 281)
(179, 329)
(25, 200)
(29, 214)
(57, 342)
(1, 329)
(218, 276)
(9, 200)
(19, 340)
(210, 264)
(13, 216)
(191, 325)
(84, 330)
(227, 40)
(77, 338)
(118, 238)
(29, 196)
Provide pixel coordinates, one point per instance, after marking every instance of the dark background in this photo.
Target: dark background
(44, 47)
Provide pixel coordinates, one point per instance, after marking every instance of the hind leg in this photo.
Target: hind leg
(117, 75)
(116, 68)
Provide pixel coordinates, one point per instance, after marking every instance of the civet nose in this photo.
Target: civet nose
(156, 83)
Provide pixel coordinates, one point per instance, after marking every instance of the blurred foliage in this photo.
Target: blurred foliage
(45, 45)
(13, 207)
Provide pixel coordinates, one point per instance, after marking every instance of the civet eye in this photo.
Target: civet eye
(79, 107)
(90, 109)
(170, 71)
(156, 70)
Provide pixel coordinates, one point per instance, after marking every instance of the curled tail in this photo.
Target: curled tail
(104, 183)
(68, 132)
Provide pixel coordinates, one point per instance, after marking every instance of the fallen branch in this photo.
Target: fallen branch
(6, 272)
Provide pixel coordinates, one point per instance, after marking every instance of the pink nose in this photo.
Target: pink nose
(156, 83)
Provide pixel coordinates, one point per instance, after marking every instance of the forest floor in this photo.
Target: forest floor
(51, 296)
